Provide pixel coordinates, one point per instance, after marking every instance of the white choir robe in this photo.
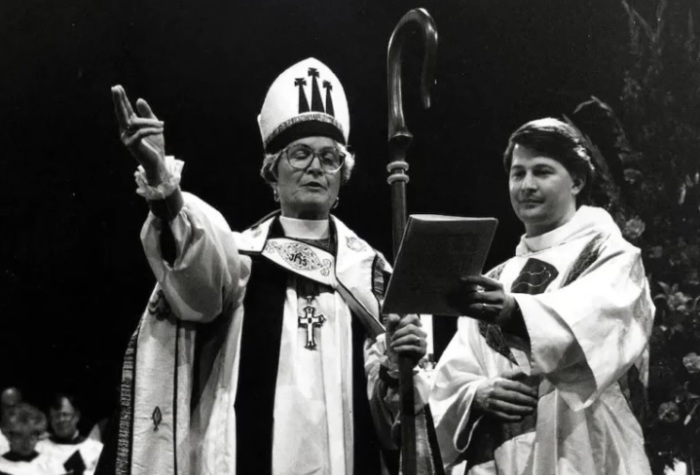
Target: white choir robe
(4, 444)
(313, 429)
(585, 303)
(59, 453)
(40, 465)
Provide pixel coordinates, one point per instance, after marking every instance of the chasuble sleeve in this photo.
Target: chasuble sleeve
(207, 274)
(384, 397)
(458, 374)
(586, 335)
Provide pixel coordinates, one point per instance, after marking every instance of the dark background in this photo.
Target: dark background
(73, 277)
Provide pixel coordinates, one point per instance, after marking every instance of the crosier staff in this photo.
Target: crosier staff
(399, 141)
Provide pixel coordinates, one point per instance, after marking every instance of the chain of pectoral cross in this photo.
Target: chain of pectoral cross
(309, 319)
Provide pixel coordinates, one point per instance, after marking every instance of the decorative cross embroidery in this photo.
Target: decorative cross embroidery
(303, 103)
(329, 101)
(316, 101)
(310, 321)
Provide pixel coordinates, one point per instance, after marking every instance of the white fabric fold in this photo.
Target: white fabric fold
(207, 281)
(585, 333)
(173, 174)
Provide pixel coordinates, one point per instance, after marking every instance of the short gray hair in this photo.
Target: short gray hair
(270, 161)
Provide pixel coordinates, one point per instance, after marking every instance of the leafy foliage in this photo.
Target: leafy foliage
(649, 166)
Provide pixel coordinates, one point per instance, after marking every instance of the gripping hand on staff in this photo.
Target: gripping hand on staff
(405, 337)
(507, 397)
(142, 133)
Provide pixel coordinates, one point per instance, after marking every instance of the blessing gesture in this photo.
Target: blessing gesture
(142, 133)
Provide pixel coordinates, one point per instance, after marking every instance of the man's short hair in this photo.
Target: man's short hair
(57, 401)
(559, 141)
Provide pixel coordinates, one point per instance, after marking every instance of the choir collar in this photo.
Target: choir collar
(13, 457)
(305, 228)
(76, 439)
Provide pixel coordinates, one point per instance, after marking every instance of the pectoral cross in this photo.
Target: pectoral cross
(310, 321)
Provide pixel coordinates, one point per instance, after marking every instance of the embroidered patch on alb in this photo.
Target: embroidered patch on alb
(157, 418)
(355, 244)
(534, 278)
(300, 256)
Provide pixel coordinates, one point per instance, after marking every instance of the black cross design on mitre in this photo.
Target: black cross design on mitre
(316, 100)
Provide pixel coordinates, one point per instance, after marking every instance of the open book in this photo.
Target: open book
(435, 252)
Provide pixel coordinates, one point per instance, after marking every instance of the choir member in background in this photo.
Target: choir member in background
(542, 377)
(23, 425)
(262, 351)
(66, 447)
(9, 398)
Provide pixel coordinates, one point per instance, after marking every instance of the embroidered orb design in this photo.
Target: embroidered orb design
(355, 244)
(326, 267)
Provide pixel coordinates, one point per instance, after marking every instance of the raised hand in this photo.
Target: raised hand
(405, 338)
(142, 133)
(506, 397)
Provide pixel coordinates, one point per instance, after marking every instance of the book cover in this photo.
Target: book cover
(434, 253)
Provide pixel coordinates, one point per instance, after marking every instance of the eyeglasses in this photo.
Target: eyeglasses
(300, 156)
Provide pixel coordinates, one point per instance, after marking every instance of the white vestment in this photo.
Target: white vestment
(40, 465)
(585, 302)
(59, 453)
(4, 444)
(167, 431)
